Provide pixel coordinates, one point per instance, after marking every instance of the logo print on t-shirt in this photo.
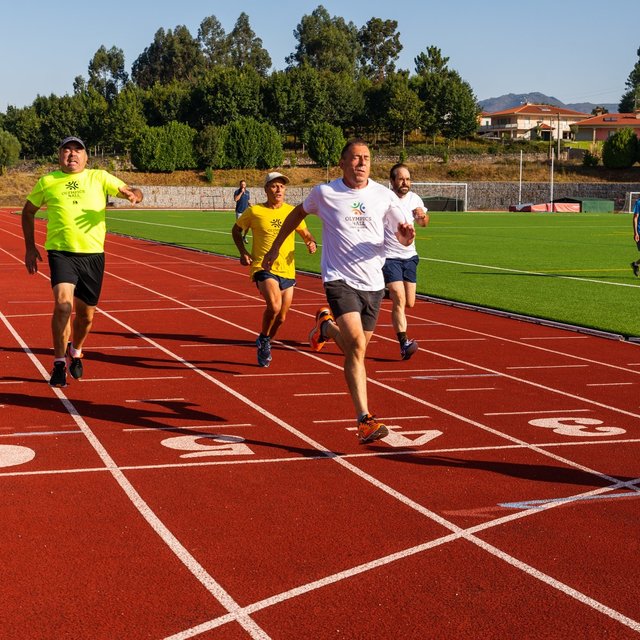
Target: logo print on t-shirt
(72, 185)
(358, 208)
(276, 223)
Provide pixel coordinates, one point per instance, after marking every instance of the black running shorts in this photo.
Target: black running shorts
(84, 270)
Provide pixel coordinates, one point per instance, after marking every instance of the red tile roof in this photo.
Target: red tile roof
(616, 120)
(539, 110)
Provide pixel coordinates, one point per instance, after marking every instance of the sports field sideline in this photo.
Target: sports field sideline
(566, 267)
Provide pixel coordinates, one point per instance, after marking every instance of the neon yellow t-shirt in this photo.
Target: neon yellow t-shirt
(76, 204)
(265, 224)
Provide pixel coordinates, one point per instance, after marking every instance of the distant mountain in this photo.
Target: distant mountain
(510, 100)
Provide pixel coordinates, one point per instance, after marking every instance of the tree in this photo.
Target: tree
(9, 150)
(223, 94)
(24, 123)
(164, 103)
(173, 55)
(620, 150)
(324, 143)
(245, 49)
(242, 143)
(106, 72)
(325, 43)
(630, 101)
(307, 99)
(404, 107)
(271, 153)
(449, 106)
(379, 48)
(209, 147)
(58, 117)
(164, 149)
(126, 118)
(213, 42)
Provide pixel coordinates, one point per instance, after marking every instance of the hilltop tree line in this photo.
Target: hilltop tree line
(210, 100)
(197, 86)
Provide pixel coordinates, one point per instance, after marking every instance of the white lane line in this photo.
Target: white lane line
(277, 375)
(553, 366)
(474, 389)
(557, 338)
(28, 434)
(417, 370)
(452, 339)
(460, 375)
(609, 384)
(322, 395)
(85, 380)
(156, 400)
(535, 413)
(343, 420)
(194, 427)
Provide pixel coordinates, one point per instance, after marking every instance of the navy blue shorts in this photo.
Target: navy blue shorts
(344, 299)
(84, 270)
(283, 283)
(400, 270)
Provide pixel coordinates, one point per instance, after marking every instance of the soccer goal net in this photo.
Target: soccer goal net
(630, 199)
(442, 196)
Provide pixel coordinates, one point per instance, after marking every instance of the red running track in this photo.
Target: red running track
(180, 491)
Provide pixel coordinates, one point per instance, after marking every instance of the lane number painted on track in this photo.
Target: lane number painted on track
(218, 444)
(12, 455)
(399, 439)
(577, 427)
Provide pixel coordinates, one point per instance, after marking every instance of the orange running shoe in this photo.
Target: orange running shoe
(369, 429)
(316, 340)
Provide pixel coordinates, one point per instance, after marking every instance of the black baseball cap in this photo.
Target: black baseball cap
(72, 139)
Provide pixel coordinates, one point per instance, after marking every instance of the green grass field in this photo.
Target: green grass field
(571, 268)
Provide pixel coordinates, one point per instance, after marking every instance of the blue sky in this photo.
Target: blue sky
(576, 51)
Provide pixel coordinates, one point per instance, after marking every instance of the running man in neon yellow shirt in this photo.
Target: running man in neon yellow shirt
(275, 285)
(76, 199)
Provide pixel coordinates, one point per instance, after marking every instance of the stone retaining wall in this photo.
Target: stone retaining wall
(482, 196)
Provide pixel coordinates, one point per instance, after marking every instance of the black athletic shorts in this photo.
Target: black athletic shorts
(84, 270)
(343, 299)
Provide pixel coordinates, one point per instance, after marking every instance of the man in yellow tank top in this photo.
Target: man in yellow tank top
(276, 286)
(76, 199)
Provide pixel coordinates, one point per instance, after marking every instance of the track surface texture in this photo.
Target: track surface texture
(180, 491)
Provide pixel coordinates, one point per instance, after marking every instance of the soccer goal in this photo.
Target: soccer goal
(630, 199)
(442, 196)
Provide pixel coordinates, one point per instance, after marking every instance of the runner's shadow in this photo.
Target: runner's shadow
(143, 417)
(532, 472)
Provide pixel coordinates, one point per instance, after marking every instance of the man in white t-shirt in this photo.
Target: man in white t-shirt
(400, 267)
(355, 212)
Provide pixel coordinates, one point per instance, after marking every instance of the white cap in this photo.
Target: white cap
(273, 175)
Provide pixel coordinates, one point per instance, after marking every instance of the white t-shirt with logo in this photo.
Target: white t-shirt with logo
(353, 229)
(394, 249)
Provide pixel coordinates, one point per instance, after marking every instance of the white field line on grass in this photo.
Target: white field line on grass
(241, 614)
(531, 273)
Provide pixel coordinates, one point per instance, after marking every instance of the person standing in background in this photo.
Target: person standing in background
(241, 197)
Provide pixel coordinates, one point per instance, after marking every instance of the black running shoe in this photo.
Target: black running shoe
(264, 351)
(59, 375)
(75, 364)
(636, 269)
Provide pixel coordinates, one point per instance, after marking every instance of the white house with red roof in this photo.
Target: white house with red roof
(531, 121)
